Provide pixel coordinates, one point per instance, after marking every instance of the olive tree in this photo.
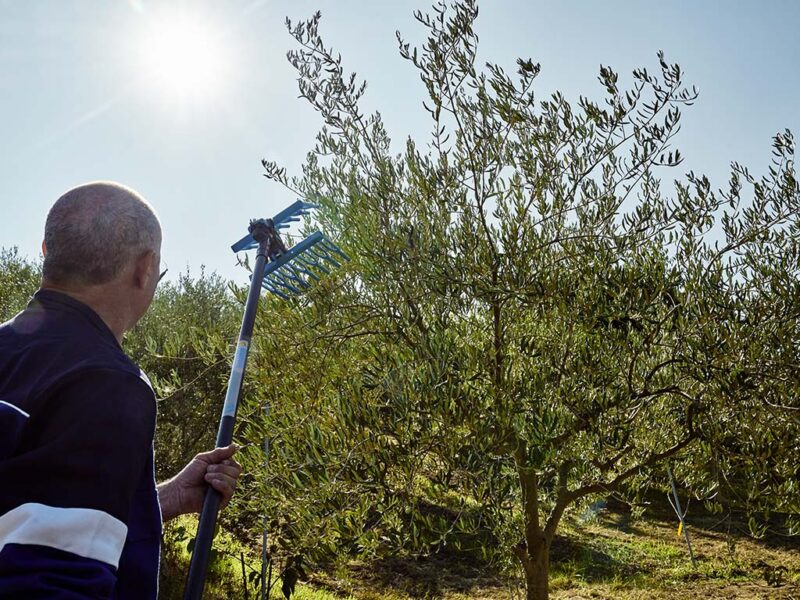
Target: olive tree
(530, 318)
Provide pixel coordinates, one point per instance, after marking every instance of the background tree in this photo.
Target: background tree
(19, 279)
(184, 344)
(529, 319)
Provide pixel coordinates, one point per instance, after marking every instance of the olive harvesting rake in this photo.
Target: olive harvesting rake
(285, 272)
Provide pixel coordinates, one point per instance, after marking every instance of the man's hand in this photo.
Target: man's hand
(184, 493)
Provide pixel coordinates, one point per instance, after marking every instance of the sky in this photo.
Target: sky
(181, 100)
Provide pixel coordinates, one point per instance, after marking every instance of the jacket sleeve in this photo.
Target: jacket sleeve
(67, 490)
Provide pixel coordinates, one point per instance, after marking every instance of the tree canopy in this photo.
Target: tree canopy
(530, 318)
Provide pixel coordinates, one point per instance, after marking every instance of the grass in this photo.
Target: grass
(609, 558)
(616, 559)
(224, 580)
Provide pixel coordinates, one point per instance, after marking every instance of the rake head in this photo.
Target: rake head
(292, 271)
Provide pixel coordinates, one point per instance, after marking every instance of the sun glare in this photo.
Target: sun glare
(182, 59)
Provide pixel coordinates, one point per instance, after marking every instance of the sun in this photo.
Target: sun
(182, 58)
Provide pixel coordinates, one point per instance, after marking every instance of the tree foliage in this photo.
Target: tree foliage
(184, 344)
(529, 319)
(19, 279)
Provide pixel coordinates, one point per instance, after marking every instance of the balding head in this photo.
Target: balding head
(94, 231)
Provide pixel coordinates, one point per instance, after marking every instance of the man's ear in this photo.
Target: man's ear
(144, 269)
(44, 248)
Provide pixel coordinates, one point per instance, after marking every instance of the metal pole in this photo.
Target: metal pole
(679, 510)
(263, 232)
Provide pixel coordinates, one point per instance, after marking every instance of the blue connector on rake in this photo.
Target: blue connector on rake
(291, 271)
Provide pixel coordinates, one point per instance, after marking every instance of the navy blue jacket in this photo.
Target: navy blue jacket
(79, 512)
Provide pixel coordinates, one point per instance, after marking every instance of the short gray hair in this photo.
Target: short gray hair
(95, 230)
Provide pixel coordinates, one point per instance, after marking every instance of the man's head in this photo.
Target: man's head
(103, 240)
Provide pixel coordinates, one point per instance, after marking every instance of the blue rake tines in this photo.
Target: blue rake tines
(290, 272)
(293, 270)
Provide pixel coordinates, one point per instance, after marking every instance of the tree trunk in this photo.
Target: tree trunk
(535, 561)
(534, 552)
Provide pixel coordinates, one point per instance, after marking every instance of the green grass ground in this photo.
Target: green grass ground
(610, 558)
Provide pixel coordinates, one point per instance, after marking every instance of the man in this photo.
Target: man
(80, 513)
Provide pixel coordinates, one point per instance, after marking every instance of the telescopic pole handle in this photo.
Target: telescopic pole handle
(264, 233)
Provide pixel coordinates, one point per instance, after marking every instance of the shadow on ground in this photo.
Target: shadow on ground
(432, 576)
(589, 561)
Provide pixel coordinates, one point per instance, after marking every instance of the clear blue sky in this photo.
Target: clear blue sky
(82, 97)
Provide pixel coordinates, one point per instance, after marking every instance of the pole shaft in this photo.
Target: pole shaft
(211, 503)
